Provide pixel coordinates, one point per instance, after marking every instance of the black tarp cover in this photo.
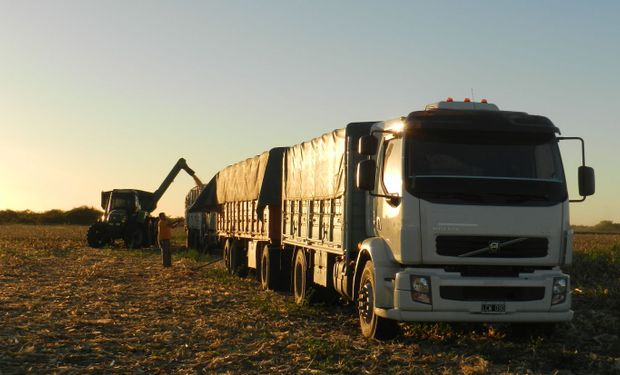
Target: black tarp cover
(315, 169)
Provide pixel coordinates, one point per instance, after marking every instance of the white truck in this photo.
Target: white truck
(457, 213)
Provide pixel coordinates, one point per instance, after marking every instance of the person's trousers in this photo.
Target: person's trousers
(166, 256)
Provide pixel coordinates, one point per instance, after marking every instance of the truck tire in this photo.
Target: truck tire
(97, 235)
(238, 263)
(301, 279)
(134, 237)
(269, 268)
(372, 325)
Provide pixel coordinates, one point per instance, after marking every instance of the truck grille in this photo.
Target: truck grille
(532, 247)
(492, 293)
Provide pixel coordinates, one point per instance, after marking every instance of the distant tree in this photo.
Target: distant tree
(607, 226)
(52, 217)
(82, 215)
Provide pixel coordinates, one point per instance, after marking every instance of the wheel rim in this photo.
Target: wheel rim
(366, 301)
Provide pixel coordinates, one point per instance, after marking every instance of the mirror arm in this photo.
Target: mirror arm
(394, 199)
(395, 134)
(583, 147)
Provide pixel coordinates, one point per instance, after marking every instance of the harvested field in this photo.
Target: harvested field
(65, 308)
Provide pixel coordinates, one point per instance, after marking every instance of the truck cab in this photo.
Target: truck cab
(468, 212)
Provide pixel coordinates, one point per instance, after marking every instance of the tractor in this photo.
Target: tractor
(127, 214)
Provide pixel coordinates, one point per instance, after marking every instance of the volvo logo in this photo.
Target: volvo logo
(494, 246)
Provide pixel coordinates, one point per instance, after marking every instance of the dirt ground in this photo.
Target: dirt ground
(66, 308)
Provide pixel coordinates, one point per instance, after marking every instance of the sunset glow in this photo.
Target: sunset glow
(102, 95)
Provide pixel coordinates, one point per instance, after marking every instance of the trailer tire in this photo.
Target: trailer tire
(301, 279)
(205, 248)
(190, 239)
(269, 268)
(226, 254)
(372, 325)
(97, 235)
(238, 265)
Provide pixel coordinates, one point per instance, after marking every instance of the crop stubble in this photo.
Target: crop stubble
(65, 308)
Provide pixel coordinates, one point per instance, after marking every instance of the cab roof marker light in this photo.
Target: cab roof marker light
(466, 105)
(449, 100)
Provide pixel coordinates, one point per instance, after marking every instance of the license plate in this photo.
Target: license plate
(493, 308)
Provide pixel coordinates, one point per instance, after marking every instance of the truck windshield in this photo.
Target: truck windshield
(485, 166)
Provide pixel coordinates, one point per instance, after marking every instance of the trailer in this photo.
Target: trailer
(458, 212)
(242, 203)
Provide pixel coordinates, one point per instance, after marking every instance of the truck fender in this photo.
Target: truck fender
(378, 251)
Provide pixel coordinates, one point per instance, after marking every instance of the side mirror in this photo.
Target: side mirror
(365, 175)
(367, 145)
(585, 176)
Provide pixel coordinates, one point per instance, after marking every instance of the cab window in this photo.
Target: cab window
(392, 166)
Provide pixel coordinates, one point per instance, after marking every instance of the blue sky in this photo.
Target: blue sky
(98, 95)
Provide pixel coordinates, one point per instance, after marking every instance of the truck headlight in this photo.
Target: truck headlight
(421, 289)
(560, 288)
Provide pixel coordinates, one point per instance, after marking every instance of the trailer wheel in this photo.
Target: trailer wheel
(238, 265)
(97, 235)
(226, 255)
(372, 325)
(205, 248)
(269, 268)
(189, 240)
(300, 277)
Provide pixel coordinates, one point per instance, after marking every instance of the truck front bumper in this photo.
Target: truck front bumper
(467, 305)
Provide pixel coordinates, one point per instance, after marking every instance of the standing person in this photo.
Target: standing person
(163, 237)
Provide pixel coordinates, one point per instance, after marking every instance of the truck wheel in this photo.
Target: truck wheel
(269, 268)
(134, 238)
(300, 277)
(238, 265)
(372, 326)
(97, 235)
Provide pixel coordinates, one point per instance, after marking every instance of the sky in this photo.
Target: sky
(96, 95)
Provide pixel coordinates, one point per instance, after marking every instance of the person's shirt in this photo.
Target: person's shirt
(163, 230)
